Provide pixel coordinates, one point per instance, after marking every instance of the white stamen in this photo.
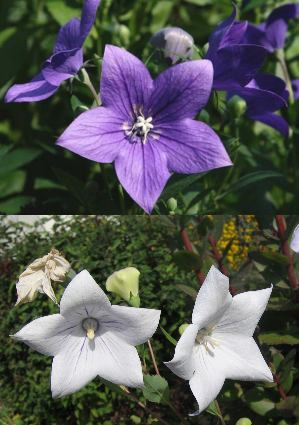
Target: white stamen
(141, 127)
(204, 337)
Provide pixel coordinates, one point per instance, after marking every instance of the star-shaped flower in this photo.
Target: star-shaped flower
(146, 127)
(90, 337)
(218, 345)
(38, 275)
(65, 62)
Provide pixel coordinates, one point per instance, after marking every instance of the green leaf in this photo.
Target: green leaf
(187, 260)
(262, 407)
(61, 12)
(168, 336)
(41, 183)
(249, 180)
(12, 183)
(17, 158)
(113, 387)
(268, 257)
(213, 409)
(187, 290)
(161, 13)
(15, 205)
(75, 186)
(156, 389)
(287, 337)
(177, 184)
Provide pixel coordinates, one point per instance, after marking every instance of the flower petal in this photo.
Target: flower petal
(192, 147)
(256, 35)
(68, 36)
(47, 335)
(96, 135)
(244, 312)
(277, 24)
(75, 366)
(133, 325)
(88, 17)
(118, 361)
(62, 66)
(208, 378)
(125, 82)
(181, 91)
(241, 358)
(143, 172)
(273, 120)
(183, 364)
(84, 298)
(295, 85)
(37, 89)
(295, 239)
(47, 288)
(213, 299)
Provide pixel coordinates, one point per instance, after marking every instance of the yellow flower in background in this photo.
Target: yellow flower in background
(125, 283)
(38, 275)
(238, 232)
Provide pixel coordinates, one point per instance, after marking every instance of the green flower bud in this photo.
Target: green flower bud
(244, 421)
(172, 204)
(183, 327)
(204, 116)
(237, 106)
(125, 283)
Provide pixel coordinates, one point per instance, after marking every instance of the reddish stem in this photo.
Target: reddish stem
(279, 386)
(188, 246)
(285, 249)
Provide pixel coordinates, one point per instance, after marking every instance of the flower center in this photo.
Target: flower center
(90, 325)
(204, 337)
(141, 127)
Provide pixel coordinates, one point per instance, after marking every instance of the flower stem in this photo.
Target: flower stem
(88, 83)
(281, 59)
(153, 357)
(220, 413)
(122, 199)
(279, 387)
(189, 248)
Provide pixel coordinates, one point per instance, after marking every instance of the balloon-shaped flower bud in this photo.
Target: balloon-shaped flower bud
(295, 239)
(125, 283)
(172, 204)
(175, 42)
(38, 275)
(237, 106)
(244, 421)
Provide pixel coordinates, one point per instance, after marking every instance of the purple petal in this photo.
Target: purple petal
(88, 17)
(142, 170)
(192, 147)
(37, 89)
(68, 36)
(271, 83)
(62, 65)
(234, 35)
(237, 64)
(277, 24)
(96, 135)
(274, 121)
(125, 82)
(181, 91)
(256, 35)
(295, 85)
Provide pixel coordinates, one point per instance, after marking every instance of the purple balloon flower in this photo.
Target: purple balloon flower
(65, 62)
(146, 127)
(272, 33)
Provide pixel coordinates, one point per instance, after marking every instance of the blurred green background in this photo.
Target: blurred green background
(36, 176)
(247, 248)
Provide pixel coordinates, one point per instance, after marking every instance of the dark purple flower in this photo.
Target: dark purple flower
(295, 86)
(271, 34)
(264, 95)
(65, 62)
(235, 62)
(146, 127)
(176, 43)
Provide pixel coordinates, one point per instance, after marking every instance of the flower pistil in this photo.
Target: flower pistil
(91, 326)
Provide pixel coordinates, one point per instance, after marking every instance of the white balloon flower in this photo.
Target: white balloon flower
(91, 337)
(218, 345)
(295, 239)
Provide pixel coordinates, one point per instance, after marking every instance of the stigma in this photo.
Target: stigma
(90, 325)
(204, 337)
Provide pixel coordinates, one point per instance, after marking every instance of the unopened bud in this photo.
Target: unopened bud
(244, 421)
(237, 106)
(175, 42)
(172, 204)
(125, 283)
(183, 327)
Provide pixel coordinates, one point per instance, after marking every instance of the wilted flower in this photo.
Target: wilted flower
(218, 345)
(38, 275)
(295, 239)
(125, 283)
(175, 42)
(90, 337)
(65, 62)
(146, 127)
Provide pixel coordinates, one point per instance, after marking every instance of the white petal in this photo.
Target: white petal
(46, 335)
(28, 285)
(244, 312)
(182, 363)
(208, 378)
(241, 358)
(212, 300)
(47, 288)
(75, 366)
(84, 298)
(295, 239)
(133, 325)
(118, 361)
